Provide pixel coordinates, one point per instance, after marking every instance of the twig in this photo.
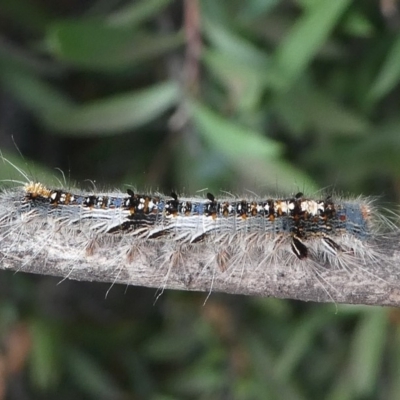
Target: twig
(145, 265)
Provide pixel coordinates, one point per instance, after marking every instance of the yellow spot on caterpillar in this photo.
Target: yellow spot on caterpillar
(36, 189)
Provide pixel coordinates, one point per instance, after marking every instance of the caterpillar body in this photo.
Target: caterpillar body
(321, 229)
(225, 236)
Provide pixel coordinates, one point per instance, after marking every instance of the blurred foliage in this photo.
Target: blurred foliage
(257, 95)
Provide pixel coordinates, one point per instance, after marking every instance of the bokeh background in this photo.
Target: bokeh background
(264, 96)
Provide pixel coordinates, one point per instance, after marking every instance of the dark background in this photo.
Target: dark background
(260, 95)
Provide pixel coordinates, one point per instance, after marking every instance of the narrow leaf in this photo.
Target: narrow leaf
(98, 46)
(137, 12)
(255, 157)
(231, 139)
(116, 114)
(369, 340)
(389, 75)
(306, 38)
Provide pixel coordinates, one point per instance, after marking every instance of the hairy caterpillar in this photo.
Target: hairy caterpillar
(322, 230)
(162, 234)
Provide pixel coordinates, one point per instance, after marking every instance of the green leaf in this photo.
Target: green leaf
(252, 9)
(115, 114)
(101, 117)
(237, 63)
(306, 38)
(278, 175)
(255, 158)
(90, 376)
(244, 81)
(44, 366)
(301, 341)
(37, 95)
(27, 14)
(230, 43)
(389, 75)
(231, 139)
(368, 344)
(261, 355)
(357, 25)
(138, 12)
(305, 107)
(94, 45)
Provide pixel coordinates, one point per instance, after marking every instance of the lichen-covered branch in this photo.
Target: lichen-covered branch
(193, 269)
